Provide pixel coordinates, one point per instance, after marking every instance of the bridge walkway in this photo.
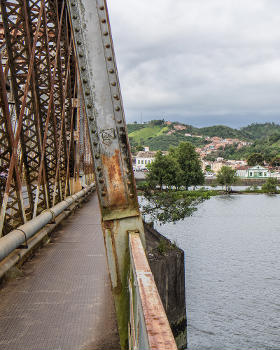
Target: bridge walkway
(63, 299)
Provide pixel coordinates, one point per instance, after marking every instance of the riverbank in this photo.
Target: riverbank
(213, 192)
(211, 181)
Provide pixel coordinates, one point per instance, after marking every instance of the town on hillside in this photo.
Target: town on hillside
(212, 145)
(211, 168)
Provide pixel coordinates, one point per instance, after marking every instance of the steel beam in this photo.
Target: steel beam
(109, 144)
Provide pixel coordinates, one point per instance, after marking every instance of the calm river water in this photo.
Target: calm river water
(232, 248)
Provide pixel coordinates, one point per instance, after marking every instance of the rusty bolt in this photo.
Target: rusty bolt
(119, 121)
(83, 68)
(91, 118)
(111, 71)
(99, 168)
(103, 20)
(109, 58)
(129, 182)
(116, 97)
(87, 92)
(107, 46)
(105, 33)
(131, 195)
(101, 8)
(101, 181)
(97, 156)
(81, 54)
(117, 108)
(89, 106)
(85, 81)
(113, 83)
(103, 194)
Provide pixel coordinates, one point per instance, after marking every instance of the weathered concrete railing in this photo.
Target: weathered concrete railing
(149, 327)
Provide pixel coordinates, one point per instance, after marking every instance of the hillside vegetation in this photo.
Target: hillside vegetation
(268, 146)
(159, 135)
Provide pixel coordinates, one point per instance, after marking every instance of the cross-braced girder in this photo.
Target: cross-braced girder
(40, 144)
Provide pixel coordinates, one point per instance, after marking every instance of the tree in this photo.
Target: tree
(226, 177)
(163, 171)
(270, 186)
(255, 159)
(275, 162)
(171, 206)
(189, 164)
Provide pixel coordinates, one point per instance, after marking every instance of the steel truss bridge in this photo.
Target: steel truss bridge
(63, 134)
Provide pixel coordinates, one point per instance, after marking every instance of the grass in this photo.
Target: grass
(144, 134)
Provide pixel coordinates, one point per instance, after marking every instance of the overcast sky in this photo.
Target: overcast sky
(201, 62)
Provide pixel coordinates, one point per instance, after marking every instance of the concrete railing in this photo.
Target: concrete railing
(149, 327)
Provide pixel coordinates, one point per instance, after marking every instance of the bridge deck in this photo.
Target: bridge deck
(63, 300)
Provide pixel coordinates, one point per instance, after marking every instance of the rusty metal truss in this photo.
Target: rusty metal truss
(62, 126)
(44, 140)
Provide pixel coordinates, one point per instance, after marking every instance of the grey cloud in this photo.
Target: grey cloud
(210, 61)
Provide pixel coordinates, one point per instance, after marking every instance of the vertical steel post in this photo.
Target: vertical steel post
(109, 144)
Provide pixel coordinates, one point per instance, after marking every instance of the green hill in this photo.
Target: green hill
(256, 131)
(159, 135)
(223, 131)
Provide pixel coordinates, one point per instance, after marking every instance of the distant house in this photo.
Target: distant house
(258, 172)
(242, 171)
(143, 158)
(255, 172)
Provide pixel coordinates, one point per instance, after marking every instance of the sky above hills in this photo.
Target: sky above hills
(201, 62)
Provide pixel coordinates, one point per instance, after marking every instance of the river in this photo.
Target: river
(232, 247)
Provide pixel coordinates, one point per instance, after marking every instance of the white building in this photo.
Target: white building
(255, 172)
(242, 171)
(143, 158)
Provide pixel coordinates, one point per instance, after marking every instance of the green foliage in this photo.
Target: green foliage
(134, 127)
(275, 162)
(163, 142)
(157, 122)
(255, 159)
(162, 246)
(189, 163)
(222, 131)
(270, 186)
(265, 138)
(172, 206)
(163, 171)
(226, 177)
(180, 168)
(256, 131)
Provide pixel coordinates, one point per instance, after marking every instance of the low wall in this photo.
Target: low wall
(168, 267)
(240, 182)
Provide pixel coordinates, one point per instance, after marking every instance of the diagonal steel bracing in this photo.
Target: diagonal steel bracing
(38, 114)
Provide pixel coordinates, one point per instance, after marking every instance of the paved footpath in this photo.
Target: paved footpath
(63, 301)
